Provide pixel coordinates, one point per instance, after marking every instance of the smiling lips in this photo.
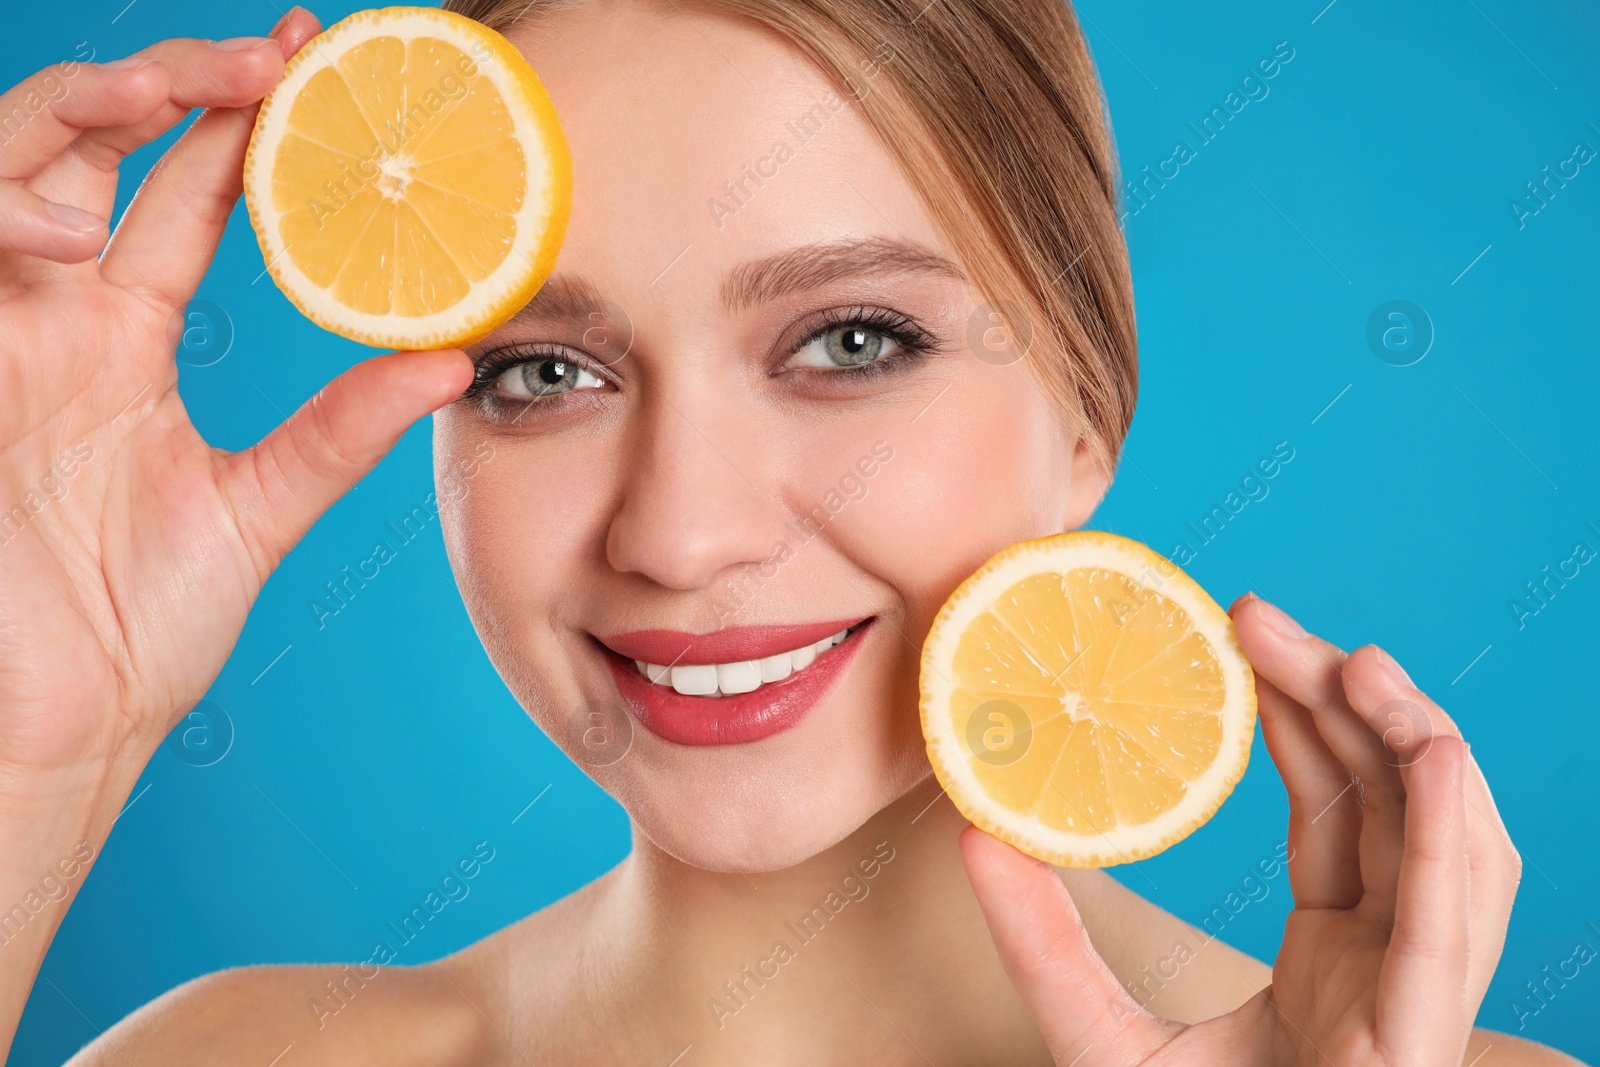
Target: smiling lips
(730, 686)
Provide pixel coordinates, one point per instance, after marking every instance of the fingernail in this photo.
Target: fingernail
(240, 44)
(1274, 617)
(130, 63)
(74, 218)
(1394, 670)
(281, 23)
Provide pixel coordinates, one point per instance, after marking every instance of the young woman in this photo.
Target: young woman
(791, 217)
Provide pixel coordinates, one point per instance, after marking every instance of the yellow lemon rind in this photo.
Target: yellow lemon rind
(1120, 844)
(546, 204)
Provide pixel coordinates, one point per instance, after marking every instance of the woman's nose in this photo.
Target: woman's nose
(697, 501)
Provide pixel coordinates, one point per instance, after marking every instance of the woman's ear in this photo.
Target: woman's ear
(1089, 481)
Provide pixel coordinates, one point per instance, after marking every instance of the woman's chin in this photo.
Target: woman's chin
(741, 855)
(735, 838)
(753, 827)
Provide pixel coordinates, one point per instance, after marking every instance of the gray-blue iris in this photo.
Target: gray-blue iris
(851, 346)
(546, 376)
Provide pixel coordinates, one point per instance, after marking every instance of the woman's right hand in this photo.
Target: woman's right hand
(130, 550)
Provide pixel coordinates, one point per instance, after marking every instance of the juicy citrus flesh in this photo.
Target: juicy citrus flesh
(408, 179)
(1085, 700)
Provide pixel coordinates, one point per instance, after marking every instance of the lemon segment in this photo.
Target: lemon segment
(1085, 700)
(408, 179)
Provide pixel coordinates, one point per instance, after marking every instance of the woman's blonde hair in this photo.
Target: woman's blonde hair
(994, 112)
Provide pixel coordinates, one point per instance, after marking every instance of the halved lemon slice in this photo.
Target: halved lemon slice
(408, 179)
(1085, 700)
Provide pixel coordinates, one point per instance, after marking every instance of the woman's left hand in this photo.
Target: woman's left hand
(1401, 870)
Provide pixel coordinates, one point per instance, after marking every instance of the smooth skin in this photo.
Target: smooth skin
(120, 602)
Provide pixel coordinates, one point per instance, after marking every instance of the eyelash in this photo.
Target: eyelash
(913, 341)
(497, 361)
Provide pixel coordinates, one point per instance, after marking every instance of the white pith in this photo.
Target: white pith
(739, 676)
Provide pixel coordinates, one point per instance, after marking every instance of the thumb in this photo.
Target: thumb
(1085, 1015)
(284, 484)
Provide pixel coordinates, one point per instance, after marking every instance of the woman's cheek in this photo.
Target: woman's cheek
(982, 468)
(521, 537)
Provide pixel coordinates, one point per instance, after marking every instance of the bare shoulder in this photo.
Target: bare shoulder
(324, 1013)
(436, 1014)
(1169, 967)
(1490, 1048)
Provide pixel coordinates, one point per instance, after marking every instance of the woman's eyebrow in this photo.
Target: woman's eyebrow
(574, 299)
(814, 265)
(563, 298)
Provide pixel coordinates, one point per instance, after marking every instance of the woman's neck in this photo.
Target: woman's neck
(878, 935)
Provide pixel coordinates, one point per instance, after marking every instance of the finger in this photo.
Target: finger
(1324, 834)
(1496, 873)
(34, 226)
(171, 230)
(283, 484)
(48, 111)
(1379, 693)
(1422, 983)
(1310, 670)
(1379, 689)
(231, 73)
(1085, 1015)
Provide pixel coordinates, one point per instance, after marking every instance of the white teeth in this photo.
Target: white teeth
(743, 676)
(740, 676)
(826, 643)
(776, 668)
(696, 681)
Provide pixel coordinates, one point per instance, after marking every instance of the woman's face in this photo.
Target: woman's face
(771, 426)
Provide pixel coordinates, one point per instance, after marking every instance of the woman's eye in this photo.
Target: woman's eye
(544, 377)
(850, 344)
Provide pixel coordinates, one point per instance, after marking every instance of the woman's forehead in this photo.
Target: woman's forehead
(701, 142)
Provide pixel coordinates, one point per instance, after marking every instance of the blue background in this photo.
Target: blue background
(1381, 166)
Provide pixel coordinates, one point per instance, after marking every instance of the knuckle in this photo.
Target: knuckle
(1049, 956)
(1426, 850)
(95, 152)
(1417, 945)
(326, 452)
